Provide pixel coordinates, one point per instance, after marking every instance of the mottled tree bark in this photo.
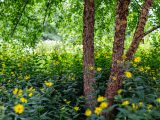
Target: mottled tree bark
(115, 80)
(88, 53)
(139, 33)
(117, 71)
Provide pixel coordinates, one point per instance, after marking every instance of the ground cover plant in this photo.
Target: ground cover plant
(48, 85)
(79, 60)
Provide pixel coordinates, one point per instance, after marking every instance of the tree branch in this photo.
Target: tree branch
(148, 32)
(20, 16)
(47, 7)
(151, 30)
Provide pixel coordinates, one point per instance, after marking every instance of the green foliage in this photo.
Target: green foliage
(50, 78)
(140, 96)
(24, 68)
(142, 91)
(30, 20)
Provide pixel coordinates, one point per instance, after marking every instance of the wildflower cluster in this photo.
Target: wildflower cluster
(103, 104)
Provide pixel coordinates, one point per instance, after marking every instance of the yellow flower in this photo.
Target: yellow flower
(19, 108)
(30, 94)
(12, 73)
(124, 57)
(114, 78)
(23, 100)
(119, 91)
(99, 69)
(81, 97)
(107, 56)
(137, 59)
(140, 104)
(148, 68)
(98, 110)
(27, 77)
(68, 102)
(30, 89)
(134, 106)
(141, 69)
(91, 68)
(100, 99)
(49, 84)
(20, 92)
(125, 103)
(19, 65)
(103, 105)
(88, 112)
(158, 100)
(149, 106)
(128, 74)
(118, 61)
(15, 91)
(134, 65)
(76, 108)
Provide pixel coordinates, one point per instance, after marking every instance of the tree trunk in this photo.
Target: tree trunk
(88, 53)
(115, 80)
(138, 35)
